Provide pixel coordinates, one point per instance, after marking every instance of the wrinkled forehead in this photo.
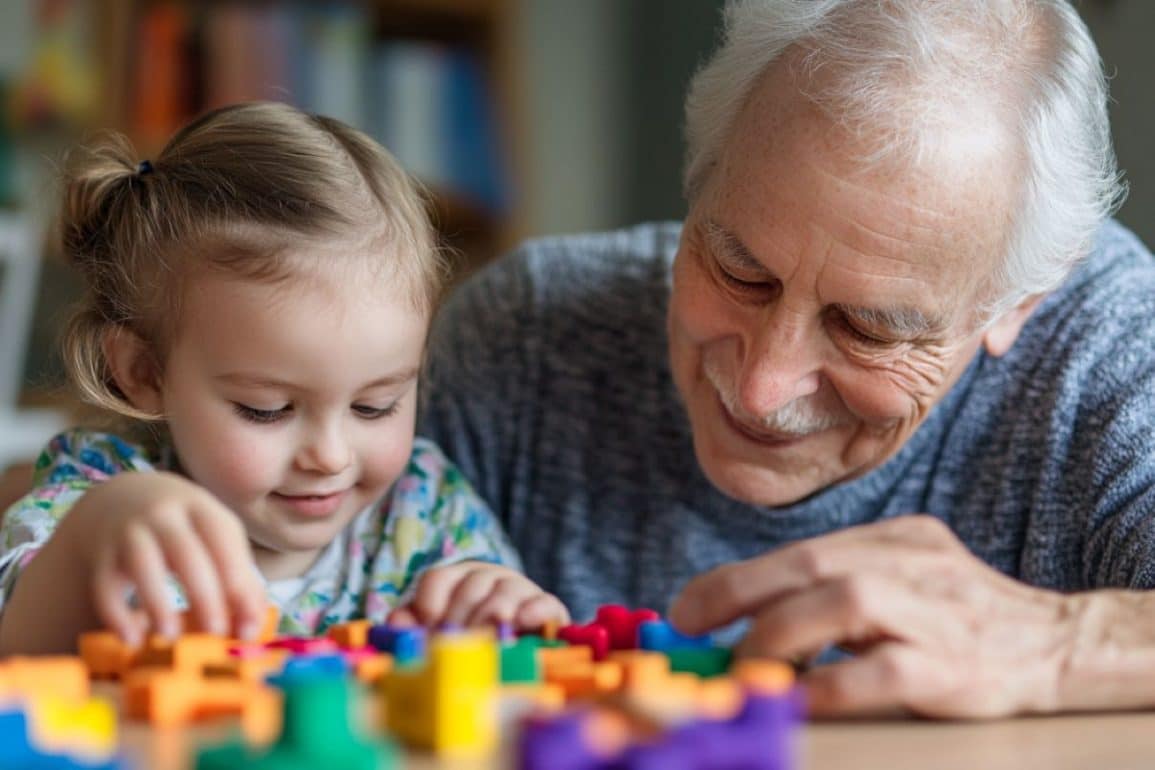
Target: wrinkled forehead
(790, 175)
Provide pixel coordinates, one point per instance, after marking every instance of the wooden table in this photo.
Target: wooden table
(1101, 742)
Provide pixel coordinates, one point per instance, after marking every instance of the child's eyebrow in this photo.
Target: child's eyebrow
(252, 379)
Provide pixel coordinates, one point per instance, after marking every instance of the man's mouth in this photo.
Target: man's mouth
(759, 435)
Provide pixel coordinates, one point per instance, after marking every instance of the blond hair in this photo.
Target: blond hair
(233, 190)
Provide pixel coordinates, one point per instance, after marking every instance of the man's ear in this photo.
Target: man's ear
(1000, 335)
(134, 369)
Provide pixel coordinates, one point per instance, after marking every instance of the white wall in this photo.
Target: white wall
(1125, 32)
(572, 53)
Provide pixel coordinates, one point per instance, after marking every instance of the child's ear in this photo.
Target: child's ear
(134, 370)
(1003, 332)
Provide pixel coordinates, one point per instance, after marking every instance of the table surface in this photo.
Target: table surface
(1112, 741)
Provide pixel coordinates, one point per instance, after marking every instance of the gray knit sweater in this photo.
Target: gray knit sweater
(549, 386)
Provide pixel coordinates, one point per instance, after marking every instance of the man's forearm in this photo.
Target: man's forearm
(1111, 663)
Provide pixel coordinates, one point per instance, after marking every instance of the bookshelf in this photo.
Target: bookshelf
(433, 80)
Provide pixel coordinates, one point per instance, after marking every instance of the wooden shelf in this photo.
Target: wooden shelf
(482, 27)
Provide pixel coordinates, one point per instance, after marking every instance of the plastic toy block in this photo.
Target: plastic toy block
(674, 699)
(591, 635)
(719, 698)
(540, 641)
(351, 635)
(560, 657)
(85, 728)
(189, 652)
(519, 662)
(759, 737)
(710, 661)
(267, 632)
(549, 630)
(621, 623)
(327, 664)
(588, 680)
(63, 676)
(402, 642)
(576, 740)
(299, 645)
(505, 633)
(368, 664)
(172, 697)
(18, 752)
(763, 677)
(641, 669)
(105, 654)
(449, 704)
(15, 748)
(315, 733)
(250, 667)
(659, 635)
(539, 697)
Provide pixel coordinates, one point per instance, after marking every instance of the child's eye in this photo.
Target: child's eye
(374, 413)
(261, 415)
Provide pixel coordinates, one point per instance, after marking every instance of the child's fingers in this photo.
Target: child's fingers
(110, 594)
(502, 603)
(539, 610)
(402, 616)
(189, 560)
(473, 589)
(434, 588)
(142, 562)
(228, 546)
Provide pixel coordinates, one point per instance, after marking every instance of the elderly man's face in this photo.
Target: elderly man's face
(819, 311)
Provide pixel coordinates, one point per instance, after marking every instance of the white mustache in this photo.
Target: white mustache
(800, 417)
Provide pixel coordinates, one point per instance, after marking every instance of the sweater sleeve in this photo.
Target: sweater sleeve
(71, 464)
(1115, 432)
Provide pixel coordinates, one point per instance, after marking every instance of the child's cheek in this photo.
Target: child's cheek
(387, 462)
(237, 472)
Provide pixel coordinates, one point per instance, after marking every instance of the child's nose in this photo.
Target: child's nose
(326, 450)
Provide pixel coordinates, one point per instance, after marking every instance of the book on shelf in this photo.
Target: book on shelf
(429, 102)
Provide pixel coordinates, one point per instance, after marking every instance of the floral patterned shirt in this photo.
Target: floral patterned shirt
(431, 516)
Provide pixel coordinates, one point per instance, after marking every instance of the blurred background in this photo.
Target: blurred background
(524, 118)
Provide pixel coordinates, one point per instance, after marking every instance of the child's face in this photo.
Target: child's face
(294, 403)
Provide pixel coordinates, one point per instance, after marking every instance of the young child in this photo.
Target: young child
(258, 301)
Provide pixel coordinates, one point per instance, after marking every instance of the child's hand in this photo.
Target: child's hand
(473, 593)
(136, 528)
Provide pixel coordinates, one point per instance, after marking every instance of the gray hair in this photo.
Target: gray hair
(895, 70)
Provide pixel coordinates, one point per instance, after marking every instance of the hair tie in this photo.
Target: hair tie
(144, 167)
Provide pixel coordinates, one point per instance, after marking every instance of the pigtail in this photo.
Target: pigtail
(108, 221)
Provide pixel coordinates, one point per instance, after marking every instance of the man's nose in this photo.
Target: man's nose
(780, 362)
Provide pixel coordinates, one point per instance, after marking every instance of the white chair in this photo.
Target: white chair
(22, 431)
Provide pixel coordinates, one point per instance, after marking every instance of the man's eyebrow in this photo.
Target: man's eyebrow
(904, 321)
(727, 245)
(253, 379)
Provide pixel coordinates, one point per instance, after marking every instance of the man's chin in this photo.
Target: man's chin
(756, 485)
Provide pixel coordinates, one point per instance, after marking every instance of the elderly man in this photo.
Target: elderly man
(889, 388)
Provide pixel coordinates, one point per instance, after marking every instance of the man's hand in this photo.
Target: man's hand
(473, 593)
(934, 630)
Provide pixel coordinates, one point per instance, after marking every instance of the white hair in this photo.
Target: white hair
(893, 72)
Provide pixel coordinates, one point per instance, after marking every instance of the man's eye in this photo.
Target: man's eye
(746, 283)
(864, 337)
(373, 412)
(738, 281)
(262, 415)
